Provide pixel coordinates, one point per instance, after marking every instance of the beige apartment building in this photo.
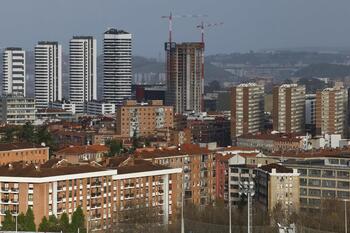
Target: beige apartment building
(330, 111)
(277, 184)
(247, 109)
(105, 193)
(289, 108)
(144, 119)
(26, 152)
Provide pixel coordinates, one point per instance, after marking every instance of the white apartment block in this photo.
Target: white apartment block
(14, 72)
(82, 71)
(117, 54)
(17, 110)
(48, 73)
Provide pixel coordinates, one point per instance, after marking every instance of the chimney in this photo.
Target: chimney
(10, 166)
(37, 168)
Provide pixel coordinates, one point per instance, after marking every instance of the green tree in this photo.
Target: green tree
(115, 147)
(135, 140)
(78, 221)
(21, 222)
(27, 132)
(44, 136)
(64, 223)
(8, 224)
(44, 225)
(29, 223)
(9, 134)
(53, 224)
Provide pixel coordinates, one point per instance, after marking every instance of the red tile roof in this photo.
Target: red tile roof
(279, 168)
(77, 150)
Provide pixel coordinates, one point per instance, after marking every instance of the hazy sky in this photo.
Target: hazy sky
(248, 24)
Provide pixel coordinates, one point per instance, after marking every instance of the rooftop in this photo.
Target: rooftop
(77, 150)
(321, 153)
(279, 168)
(274, 137)
(115, 31)
(185, 149)
(18, 146)
(53, 167)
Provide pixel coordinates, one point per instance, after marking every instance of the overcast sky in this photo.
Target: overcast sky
(248, 24)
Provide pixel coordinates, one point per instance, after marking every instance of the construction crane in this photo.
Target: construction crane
(170, 18)
(203, 25)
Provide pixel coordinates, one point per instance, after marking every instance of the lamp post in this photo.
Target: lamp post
(345, 216)
(247, 188)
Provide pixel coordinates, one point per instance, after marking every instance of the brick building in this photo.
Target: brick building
(27, 152)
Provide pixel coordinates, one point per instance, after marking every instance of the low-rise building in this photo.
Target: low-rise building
(17, 110)
(26, 152)
(322, 178)
(83, 154)
(44, 115)
(107, 194)
(277, 184)
(100, 108)
(66, 105)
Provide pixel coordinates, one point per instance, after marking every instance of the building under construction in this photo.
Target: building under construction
(185, 76)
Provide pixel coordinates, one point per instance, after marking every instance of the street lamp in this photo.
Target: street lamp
(247, 188)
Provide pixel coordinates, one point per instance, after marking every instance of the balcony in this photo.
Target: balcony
(5, 200)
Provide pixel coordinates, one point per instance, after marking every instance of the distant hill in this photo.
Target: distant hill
(324, 70)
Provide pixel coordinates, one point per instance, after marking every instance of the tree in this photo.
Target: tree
(44, 225)
(44, 136)
(78, 221)
(21, 222)
(27, 133)
(29, 223)
(8, 224)
(9, 134)
(115, 147)
(53, 224)
(64, 223)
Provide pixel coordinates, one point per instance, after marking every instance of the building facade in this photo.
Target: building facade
(142, 120)
(277, 184)
(247, 109)
(117, 55)
(17, 110)
(14, 72)
(26, 152)
(48, 73)
(100, 108)
(185, 76)
(103, 193)
(82, 71)
(289, 108)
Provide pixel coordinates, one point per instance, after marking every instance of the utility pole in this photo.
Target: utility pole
(247, 188)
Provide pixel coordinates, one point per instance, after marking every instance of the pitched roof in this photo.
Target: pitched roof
(18, 146)
(77, 150)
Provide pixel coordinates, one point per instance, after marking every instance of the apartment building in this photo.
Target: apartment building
(310, 113)
(26, 152)
(17, 110)
(247, 109)
(104, 193)
(48, 73)
(198, 165)
(117, 56)
(275, 184)
(321, 179)
(82, 71)
(289, 108)
(330, 111)
(14, 72)
(82, 154)
(268, 142)
(185, 76)
(143, 119)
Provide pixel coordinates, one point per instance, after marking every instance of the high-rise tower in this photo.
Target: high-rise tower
(48, 73)
(14, 72)
(82, 71)
(117, 54)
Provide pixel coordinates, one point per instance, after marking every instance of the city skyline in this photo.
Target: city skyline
(248, 25)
